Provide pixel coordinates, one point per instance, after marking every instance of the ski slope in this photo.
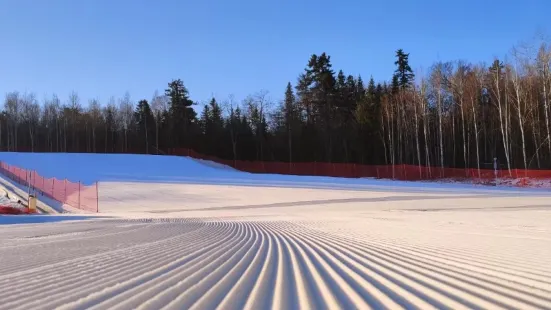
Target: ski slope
(175, 233)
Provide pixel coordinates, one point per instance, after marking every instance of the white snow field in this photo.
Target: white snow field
(175, 233)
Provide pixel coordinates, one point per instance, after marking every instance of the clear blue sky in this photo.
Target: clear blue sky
(101, 48)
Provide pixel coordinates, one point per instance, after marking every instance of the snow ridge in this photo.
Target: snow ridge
(236, 264)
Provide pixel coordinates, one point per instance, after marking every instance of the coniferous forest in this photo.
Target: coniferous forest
(457, 114)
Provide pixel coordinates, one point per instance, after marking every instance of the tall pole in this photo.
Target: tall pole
(29, 184)
(97, 198)
(495, 169)
(79, 194)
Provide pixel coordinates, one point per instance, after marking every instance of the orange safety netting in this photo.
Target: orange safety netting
(73, 194)
(394, 172)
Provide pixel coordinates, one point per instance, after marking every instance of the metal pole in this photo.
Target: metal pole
(97, 198)
(495, 169)
(79, 194)
(28, 184)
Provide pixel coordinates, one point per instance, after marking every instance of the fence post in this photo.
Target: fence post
(53, 188)
(65, 190)
(28, 177)
(79, 194)
(97, 198)
(495, 169)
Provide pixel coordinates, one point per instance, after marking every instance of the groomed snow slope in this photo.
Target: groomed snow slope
(329, 243)
(90, 168)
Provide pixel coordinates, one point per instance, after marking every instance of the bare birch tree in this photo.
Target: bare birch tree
(94, 110)
(126, 114)
(230, 106)
(519, 100)
(30, 115)
(258, 106)
(12, 106)
(496, 86)
(159, 104)
(437, 84)
(544, 70)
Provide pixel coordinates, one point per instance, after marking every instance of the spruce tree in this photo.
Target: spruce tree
(145, 122)
(324, 101)
(403, 76)
(204, 120)
(216, 118)
(181, 113)
(360, 89)
(291, 118)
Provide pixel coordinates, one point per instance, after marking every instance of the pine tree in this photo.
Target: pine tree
(371, 90)
(320, 72)
(182, 115)
(145, 122)
(216, 118)
(204, 120)
(403, 76)
(351, 94)
(360, 89)
(395, 84)
(291, 117)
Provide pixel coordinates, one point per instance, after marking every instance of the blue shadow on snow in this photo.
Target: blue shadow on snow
(35, 219)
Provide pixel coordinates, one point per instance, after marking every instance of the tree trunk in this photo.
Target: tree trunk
(454, 154)
(440, 133)
(473, 102)
(94, 149)
(157, 134)
(65, 135)
(106, 135)
(31, 136)
(15, 144)
(146, 137)
(416, 118)
(536, 146)
(425, 134)
(502, 121)
(466, 164)
(383, 138)
(290, 144)
(391, 142)
(516, 85)
(546, 109)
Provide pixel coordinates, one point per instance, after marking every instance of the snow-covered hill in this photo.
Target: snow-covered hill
(90, 168)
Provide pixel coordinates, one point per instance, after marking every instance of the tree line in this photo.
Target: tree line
(458, 114)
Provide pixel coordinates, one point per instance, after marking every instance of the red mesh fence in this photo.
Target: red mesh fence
(76, 195)
(394, 172)
(85, 198)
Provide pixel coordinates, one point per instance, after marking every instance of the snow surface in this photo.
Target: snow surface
(174, 233)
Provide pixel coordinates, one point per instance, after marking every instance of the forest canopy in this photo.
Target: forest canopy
(458, 114)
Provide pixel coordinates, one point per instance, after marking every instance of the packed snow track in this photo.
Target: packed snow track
(261, 264)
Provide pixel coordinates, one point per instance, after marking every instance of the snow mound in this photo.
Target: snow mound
(90, 168)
